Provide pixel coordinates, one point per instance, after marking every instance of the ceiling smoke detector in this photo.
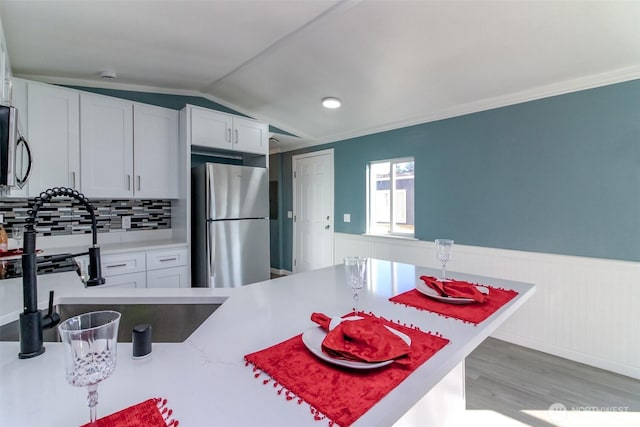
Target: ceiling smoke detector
(108, 75)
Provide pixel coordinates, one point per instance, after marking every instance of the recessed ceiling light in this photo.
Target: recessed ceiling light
(331, 102)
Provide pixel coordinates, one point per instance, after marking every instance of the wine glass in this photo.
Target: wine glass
(17, 232)
(443, 252)
(89, 342)
(355, 269)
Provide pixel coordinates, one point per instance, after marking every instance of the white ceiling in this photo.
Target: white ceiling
(393, 63)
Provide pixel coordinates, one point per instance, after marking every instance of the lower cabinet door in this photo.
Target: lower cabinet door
(133, 280)
(175, 277)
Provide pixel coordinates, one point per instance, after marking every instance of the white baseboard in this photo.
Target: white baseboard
(584, 309)
(281, 272)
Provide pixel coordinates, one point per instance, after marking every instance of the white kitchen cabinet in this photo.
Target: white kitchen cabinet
(126, 270)
(133, 280)
(250, 136)
(216, 130)
(106, 131)
(157, 268)
(210, 128)
(175, 277)
(167, 268)
(155, 152)
(54, 137)
(48, 117)
(128, 149)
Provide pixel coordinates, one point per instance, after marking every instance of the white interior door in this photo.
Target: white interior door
(312, 210)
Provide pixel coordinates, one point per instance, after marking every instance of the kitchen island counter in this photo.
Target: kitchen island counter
(205, 378)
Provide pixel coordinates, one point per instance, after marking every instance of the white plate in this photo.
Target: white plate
(432, 293)
(313, 338)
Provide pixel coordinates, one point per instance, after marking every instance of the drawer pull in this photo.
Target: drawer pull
(168, 259)
(116, 265)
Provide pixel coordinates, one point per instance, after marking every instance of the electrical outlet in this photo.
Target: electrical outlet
(126, 222)
(347, 217)
(289, 214)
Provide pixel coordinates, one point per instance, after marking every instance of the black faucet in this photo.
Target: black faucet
(32, 321)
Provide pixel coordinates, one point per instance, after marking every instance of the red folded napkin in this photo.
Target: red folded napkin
(365, 340)
(454, 288)
(150, 413)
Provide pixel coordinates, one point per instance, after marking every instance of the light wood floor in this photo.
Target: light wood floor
(511, 385)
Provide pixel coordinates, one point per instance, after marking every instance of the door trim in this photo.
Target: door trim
(295, 159)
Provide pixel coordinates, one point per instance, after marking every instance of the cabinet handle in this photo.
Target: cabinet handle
(168, 259)
(138, 182)
(128, 182)
(73, 179)
(116, 265)
(236, 136)
(229, 134)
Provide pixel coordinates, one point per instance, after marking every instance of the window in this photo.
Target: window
(390, 197)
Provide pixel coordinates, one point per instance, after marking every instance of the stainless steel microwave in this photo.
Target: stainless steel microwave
(15, 155)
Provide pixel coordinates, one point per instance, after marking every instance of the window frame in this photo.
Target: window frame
(392, 163)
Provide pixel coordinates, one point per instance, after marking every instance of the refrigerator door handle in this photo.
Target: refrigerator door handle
(211, 253)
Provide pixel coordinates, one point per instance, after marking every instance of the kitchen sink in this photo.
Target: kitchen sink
(169, 322)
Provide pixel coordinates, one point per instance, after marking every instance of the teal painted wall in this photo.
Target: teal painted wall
(175, 102)
(557, 175)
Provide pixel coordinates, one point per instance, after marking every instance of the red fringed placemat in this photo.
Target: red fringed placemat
(150, 413)
(472, 313)
(340, 394)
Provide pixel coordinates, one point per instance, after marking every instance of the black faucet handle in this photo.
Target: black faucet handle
(52, 318)
(50, 303)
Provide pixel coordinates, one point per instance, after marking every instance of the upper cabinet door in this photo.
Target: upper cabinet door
(250, 136)
(54, 137)
(106, 133)
(155, 152)
(211, 129)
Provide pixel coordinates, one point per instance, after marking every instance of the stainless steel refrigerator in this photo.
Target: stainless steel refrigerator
(230, 225)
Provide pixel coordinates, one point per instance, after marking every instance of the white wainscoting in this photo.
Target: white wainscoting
(584, 309)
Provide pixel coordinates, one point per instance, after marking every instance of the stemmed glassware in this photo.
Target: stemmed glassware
(443, 252)
(18, 231)
(355, 269)
(89, 342)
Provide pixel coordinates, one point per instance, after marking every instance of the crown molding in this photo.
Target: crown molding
(547, 91)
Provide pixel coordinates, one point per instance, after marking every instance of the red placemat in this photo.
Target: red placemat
(150, 413)
(340, 394)
(472, 313)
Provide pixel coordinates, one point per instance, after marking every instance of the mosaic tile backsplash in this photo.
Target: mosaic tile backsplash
(67, 216)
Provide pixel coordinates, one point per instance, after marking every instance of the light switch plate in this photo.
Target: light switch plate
(347, 217)
(289, 214)
(126, 222)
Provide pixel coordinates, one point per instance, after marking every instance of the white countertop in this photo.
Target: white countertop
(205, 378)
(114, 247)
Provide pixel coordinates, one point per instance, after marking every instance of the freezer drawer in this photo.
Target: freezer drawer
(239, 252)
